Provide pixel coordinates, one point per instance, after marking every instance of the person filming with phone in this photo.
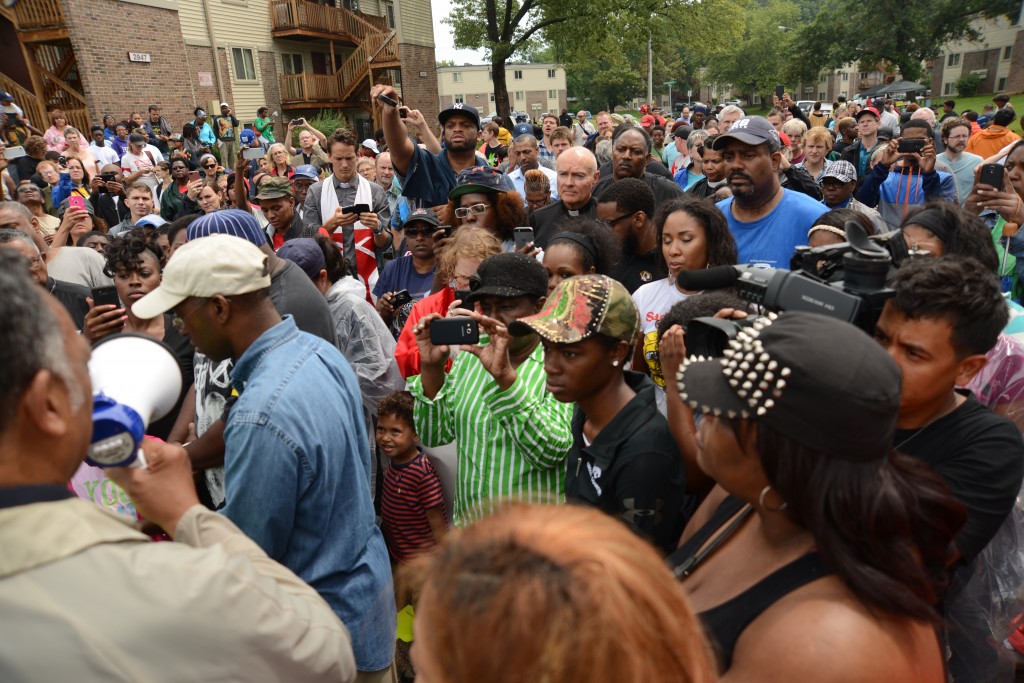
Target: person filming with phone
(512, 436)
(904, 175)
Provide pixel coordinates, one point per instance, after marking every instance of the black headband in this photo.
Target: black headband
(931, 219)
(584, 242)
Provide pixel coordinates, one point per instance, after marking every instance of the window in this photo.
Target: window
(553, 94)
(953, 60)
(517, 74)
(948, 89)
(244, 63)
(822, 96)
(456, 77)
(863, 75)
(492, 97)
(1002, 84)
(1007, 53)
(519, 96)
(757, 99)
(460, 99)
(846, 76)
(389, 12)
(292, 63)
(551, 72)
(490, 75)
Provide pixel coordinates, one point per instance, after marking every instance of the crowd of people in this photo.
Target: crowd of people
(436, 384)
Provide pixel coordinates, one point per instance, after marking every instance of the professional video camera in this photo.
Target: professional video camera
(845, 281)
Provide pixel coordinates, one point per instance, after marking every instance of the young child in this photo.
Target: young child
(412, 501)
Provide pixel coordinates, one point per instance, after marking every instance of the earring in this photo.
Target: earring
(615, 363)
(760, 501)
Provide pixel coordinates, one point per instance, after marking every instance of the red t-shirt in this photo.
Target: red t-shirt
(409, 491)
(407, 353)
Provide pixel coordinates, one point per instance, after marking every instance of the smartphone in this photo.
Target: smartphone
(522, 237)
(76, 202)
(992, 175)
(356, 208)
(454, 331)
(193, 176)
(444, 231)
(403, 112)
(251, 153)
(461, 294)
(14, 153)
(387, 100)
(108, 177)
(105, 296)
(400, 298)
(911, 146)
(780, 90)
(62, 161)
(296, 122)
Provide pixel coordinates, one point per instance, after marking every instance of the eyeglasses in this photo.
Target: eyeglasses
(419, 232)
(179, 320)
(475, 209)
(611, 223)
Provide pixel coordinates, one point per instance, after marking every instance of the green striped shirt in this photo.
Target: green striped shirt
(511, 444)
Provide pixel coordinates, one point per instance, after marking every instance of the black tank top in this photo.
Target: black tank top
(725, 623)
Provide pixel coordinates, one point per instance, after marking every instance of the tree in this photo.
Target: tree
(968, 85)
(904, 33)
(445, 62)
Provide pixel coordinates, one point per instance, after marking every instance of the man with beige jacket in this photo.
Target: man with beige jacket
(84, 595)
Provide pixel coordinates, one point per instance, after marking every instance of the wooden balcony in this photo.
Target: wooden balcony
(346, 87)
(303, 20)
(303, 91)
(36, 20)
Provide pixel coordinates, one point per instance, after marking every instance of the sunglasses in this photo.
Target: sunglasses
(475, 209)
(209, 165)
(419, 232)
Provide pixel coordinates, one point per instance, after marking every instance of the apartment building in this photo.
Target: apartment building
(533, 88)
(995, 58)
(91, 57)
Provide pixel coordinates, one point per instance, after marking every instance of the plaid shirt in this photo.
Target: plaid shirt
(543, 152)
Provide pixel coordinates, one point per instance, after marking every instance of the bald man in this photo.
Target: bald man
(577, 173)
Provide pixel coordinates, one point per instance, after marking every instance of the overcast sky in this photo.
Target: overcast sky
(444, 46)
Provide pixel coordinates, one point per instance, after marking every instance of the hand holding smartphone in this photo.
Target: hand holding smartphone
(356, 209)
(992, 175)
(76, 202)
(522, 237)
(454, 331)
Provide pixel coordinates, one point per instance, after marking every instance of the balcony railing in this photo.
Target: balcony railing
(301, 16)
(310, 88)
(31, 15)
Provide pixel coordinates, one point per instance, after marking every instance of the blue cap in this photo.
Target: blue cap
(522, 129)
(247, 137)
(227, 222)
(480, 179)
(305, 172)
(306, 254)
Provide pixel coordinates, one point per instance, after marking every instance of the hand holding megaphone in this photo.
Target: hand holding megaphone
(163, 490)
(135, 380)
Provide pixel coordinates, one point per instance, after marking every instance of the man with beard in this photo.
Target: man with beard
(955, 134)
(425, 176)
(173, 197)
(548, 124)
(767, 220)
(525, 152)
(627, 208)
(631, 148)
(577, 175)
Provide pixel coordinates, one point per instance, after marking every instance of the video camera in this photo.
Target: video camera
(845, 281)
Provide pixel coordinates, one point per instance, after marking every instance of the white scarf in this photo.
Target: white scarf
(329, 204)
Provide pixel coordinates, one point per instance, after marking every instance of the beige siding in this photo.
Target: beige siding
(239, 22)
(476, 79)
(247, 96)
(193, 23)
(997, 33)
(415, 21)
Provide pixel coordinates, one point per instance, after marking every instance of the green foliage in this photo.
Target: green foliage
(445, 62)
(326, 121)
(904, 33)
(968, 85)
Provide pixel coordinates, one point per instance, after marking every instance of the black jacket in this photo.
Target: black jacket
(663, 188)
(547, 220)
(799, 180)
(633, 470)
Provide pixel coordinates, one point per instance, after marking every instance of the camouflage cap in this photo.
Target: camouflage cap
(582, 306)
(274, 187)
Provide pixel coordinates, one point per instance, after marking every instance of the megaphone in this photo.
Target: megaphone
(135, 379)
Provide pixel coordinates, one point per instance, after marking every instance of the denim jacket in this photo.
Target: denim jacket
(297, 478)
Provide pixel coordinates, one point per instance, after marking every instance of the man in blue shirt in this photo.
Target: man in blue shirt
(297, 465)
(425, 176)
(767, 220)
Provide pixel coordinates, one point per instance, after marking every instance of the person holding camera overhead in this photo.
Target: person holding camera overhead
(904, 175)
(820, 543)
(512, 436)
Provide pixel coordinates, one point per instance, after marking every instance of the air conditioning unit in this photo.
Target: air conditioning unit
(980, 73)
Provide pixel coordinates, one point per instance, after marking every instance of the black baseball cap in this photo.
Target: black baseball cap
(815, 379)
(751, 130)
(508, 275)
(423, 216)
(460, 109)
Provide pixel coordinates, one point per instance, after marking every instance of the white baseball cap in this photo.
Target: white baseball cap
(218, 264)
(371, 144)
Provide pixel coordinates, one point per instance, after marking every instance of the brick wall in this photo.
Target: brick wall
(111, 83)
(272, 91)
(1015, 78)
(938, 75)
(419, 92)
(982, 59)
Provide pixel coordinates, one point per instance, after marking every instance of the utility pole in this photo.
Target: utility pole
(669, 84)
(650, 71)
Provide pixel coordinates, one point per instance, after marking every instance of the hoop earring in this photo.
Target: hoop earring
(764, 493)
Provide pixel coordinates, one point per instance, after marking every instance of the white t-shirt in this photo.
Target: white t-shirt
(104, 155)
(653, 301)
(131, 164)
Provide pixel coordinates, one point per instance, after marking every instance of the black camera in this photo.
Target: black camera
(845, 281)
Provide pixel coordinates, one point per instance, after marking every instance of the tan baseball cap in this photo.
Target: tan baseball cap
(218, 264)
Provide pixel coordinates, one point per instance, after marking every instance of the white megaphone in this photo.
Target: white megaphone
(136, 380)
